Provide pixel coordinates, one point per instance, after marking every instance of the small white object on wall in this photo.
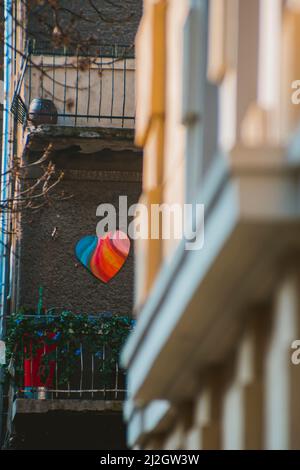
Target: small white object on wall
(2, 352)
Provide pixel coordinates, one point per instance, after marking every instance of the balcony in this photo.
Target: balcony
(92, 90)
(65, 362)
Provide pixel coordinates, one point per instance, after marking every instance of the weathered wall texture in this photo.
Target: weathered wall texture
(116, 22)
(52, 263)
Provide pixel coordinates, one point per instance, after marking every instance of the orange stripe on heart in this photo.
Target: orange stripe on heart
(103, 257)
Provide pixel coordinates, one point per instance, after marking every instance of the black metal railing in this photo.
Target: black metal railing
(89, 87)
(89, 49)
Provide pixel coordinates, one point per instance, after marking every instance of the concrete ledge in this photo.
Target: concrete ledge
(155, 419)
(23, 405)
(83, 132)
(66, 136)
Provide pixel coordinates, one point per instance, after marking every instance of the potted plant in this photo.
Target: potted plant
(47, 347)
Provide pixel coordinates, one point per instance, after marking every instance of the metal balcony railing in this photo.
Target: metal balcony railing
(45, 367)
(92, 86)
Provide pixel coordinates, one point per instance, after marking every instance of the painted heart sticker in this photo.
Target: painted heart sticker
(103, 257)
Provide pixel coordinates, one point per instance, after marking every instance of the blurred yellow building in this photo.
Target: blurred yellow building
(210, 362)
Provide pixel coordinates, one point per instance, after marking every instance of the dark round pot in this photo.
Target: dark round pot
(42, 111)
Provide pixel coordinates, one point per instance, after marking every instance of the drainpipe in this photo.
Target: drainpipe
(4, 190)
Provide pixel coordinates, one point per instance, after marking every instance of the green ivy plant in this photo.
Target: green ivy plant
(69, 333)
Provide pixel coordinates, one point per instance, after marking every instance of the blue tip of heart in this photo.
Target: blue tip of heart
(84, 249)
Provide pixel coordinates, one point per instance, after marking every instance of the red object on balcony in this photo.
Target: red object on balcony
(34, 369)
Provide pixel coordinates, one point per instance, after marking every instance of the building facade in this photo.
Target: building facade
(59, 170)
(212, 363)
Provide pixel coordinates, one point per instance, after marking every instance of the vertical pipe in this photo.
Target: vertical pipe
(4, 193)
(4, 237)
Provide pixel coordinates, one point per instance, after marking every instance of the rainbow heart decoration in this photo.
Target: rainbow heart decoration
(103, 257)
